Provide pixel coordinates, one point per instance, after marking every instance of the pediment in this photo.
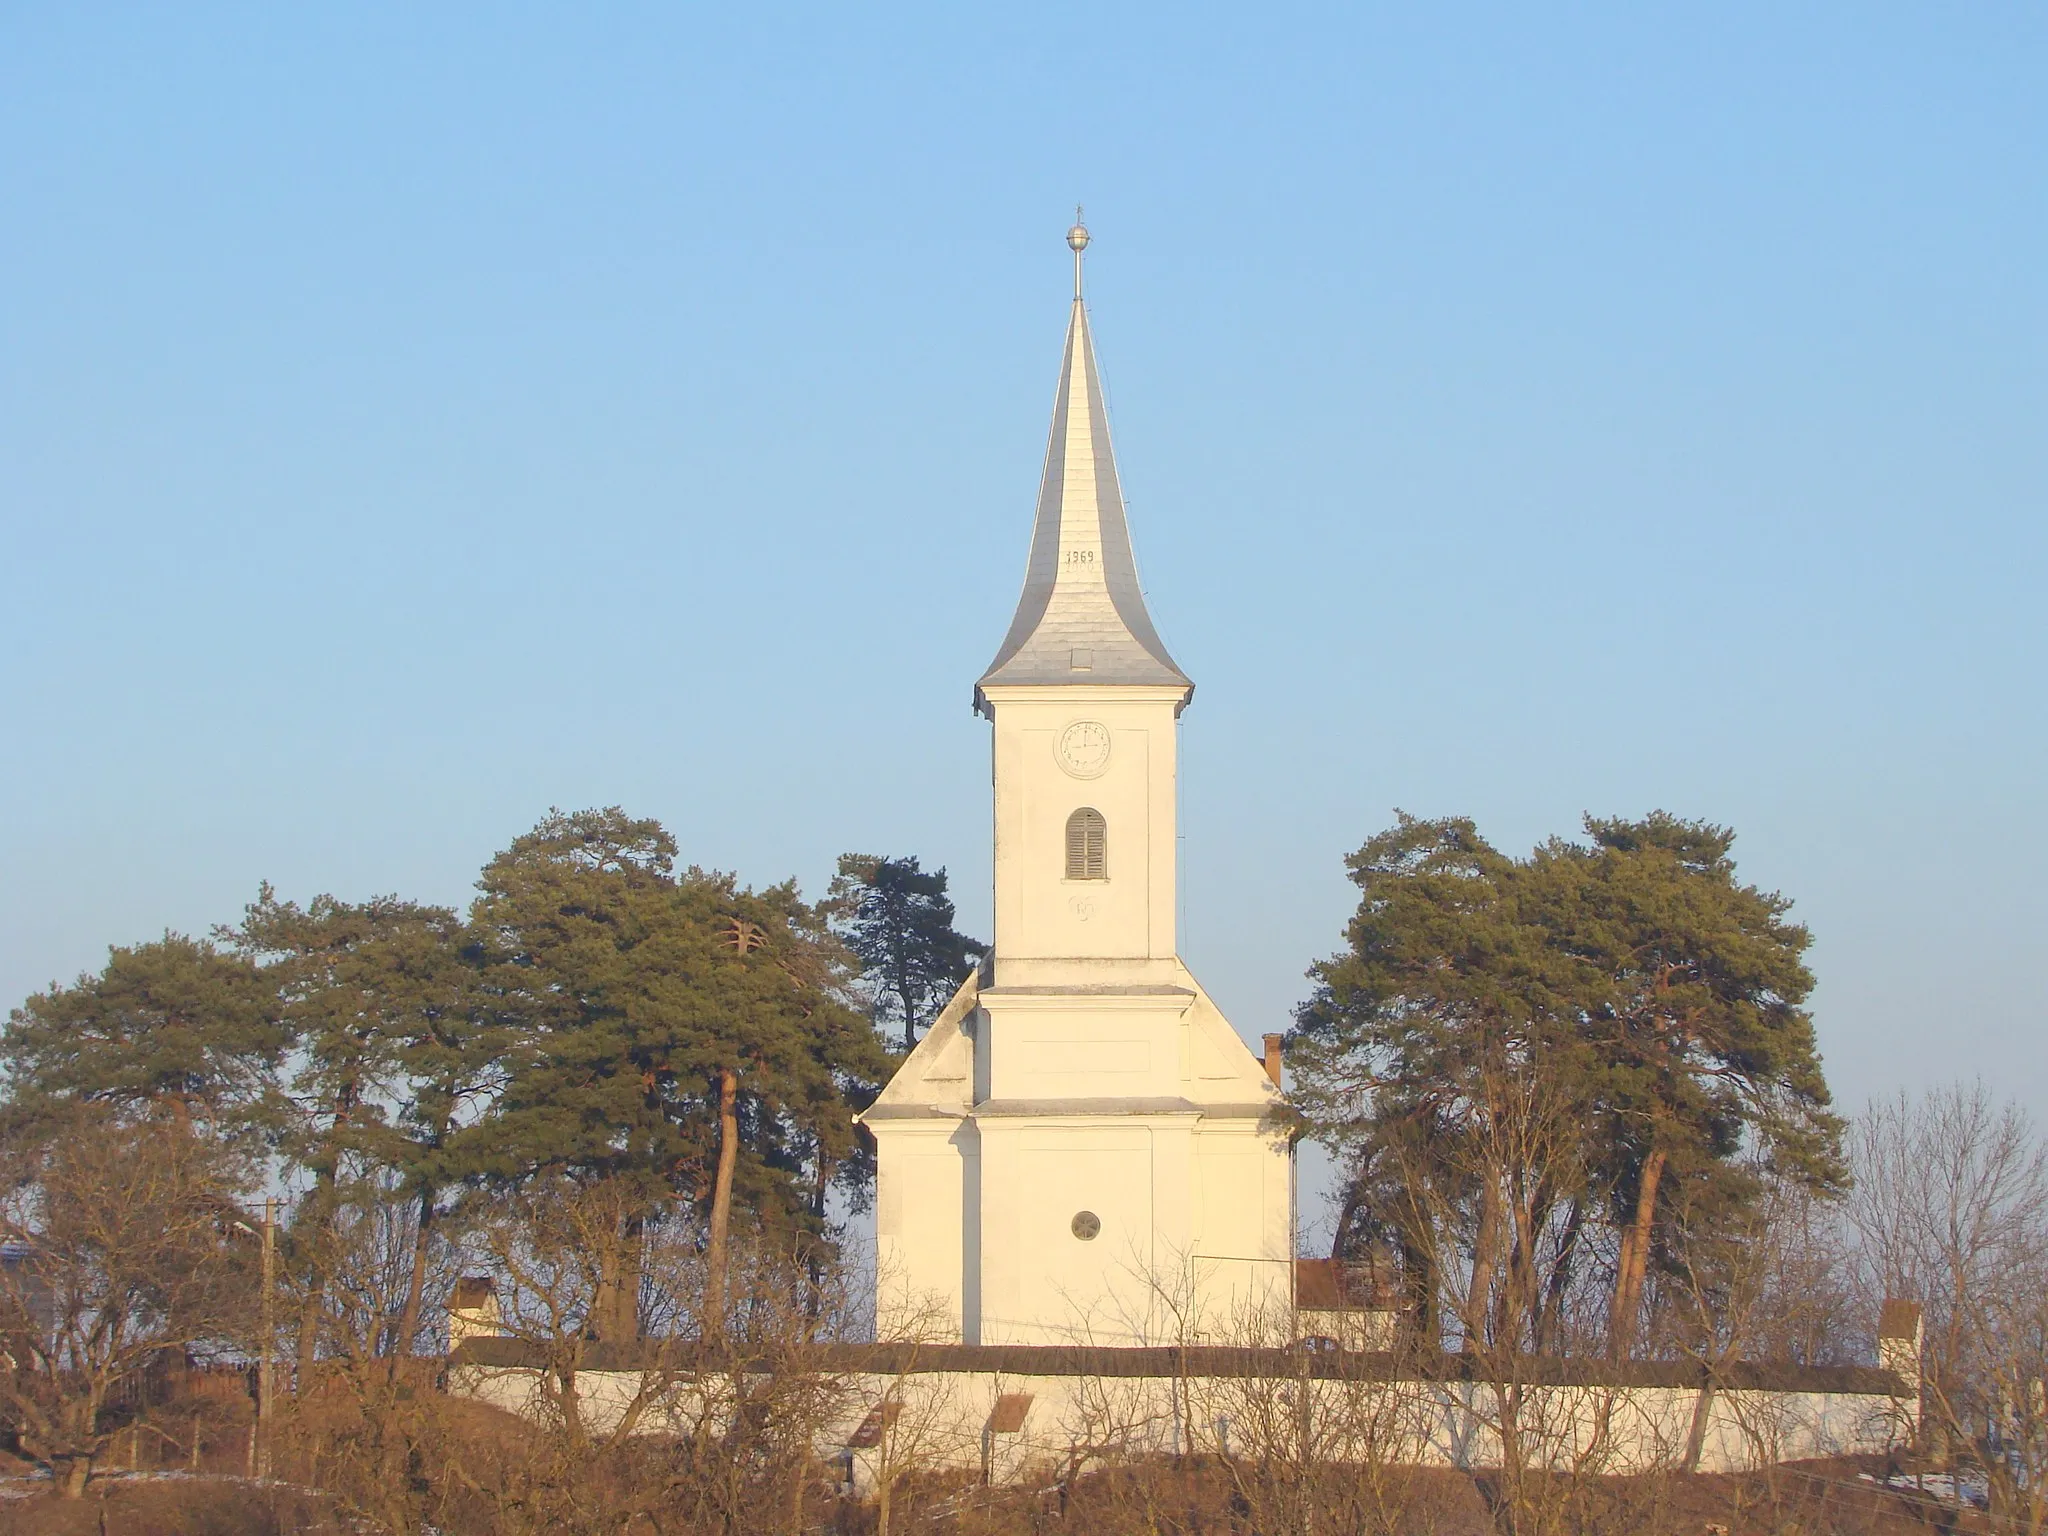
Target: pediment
(1220, 1074)
(938, 1074)
(1223, 1068)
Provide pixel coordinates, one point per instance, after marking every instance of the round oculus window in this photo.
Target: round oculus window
(1085, 1225)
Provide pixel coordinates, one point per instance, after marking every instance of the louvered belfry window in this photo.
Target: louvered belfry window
(1087, 845)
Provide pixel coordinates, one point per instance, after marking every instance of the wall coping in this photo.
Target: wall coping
(687, 1356)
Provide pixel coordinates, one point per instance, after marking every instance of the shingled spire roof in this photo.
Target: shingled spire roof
(1082, 617)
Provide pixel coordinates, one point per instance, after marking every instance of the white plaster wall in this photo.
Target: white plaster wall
(921, 1230)
(943, 1420)
(1143, 1108)
(1039, 913)
(1242, 1267)
(1083, 1070)
(1097, 1291)
(1194, 1230)
(1047, 1045)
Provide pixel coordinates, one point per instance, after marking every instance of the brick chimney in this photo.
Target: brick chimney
(1273, 1057)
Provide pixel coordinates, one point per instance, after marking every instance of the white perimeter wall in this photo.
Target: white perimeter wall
(943, 1417)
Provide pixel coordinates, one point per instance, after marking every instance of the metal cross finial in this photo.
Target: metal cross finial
(1077, 238)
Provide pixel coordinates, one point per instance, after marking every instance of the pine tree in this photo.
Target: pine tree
(1627, 988)
(173, 1028)
(373, 993)
(1693, 994)
(682, 1035)
(897, 920)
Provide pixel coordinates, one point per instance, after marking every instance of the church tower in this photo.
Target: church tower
(1082, 1150)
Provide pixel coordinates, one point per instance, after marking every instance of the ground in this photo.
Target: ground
(1840, 1497)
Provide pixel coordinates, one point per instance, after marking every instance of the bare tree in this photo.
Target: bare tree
(668, 1429)
(748, 1461)
(365, 1419)
(910, 1427)
(1951, 1208)
(1765, 1282)
(555, 1249)
(2014, 1351)
(121, 1250)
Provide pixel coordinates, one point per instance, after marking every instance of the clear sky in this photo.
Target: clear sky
(414, 417)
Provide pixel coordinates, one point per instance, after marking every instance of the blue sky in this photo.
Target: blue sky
(412, 418)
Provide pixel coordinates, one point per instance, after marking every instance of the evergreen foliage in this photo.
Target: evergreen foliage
(897, 921)
(1585, 1072)
(175, 1027)
(1510, 1051)
(381, 1002)
(681, 1034)
(597, 1019)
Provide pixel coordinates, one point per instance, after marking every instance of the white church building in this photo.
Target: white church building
(1082, 1150)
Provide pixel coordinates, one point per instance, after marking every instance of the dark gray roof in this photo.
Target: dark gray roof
(1015, 1360)
(1082, 617)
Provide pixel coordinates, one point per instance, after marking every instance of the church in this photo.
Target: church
(1081, 1150)
(1081, 1166)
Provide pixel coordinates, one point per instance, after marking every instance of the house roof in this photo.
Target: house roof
(1328, 1285)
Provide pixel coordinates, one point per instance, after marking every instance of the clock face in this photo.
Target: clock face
(1084, 748)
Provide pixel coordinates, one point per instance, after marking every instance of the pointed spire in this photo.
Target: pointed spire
(1082, 617)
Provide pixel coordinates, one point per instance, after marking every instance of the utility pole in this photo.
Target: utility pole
(260, 1439)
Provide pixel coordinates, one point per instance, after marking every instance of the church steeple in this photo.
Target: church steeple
(1082, 616)
(1082, 1123)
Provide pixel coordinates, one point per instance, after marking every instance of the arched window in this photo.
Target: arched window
(1087, 846)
